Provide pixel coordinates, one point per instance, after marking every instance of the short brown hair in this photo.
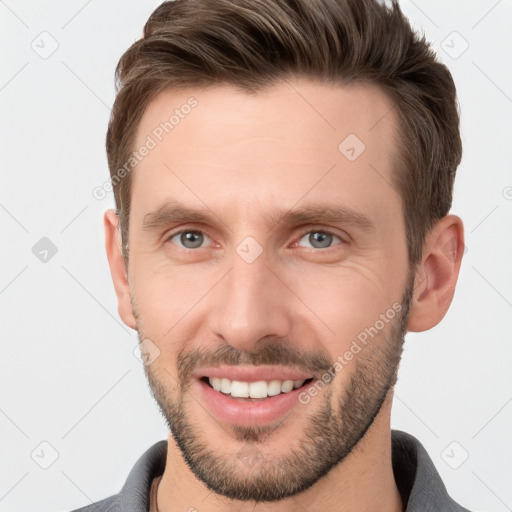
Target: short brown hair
(252, 44)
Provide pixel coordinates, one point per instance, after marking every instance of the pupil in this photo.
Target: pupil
(191, 239)
(320, 239)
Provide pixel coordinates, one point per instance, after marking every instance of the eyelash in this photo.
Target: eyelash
(303, 234)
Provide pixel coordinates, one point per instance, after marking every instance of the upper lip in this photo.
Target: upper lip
(250, 373)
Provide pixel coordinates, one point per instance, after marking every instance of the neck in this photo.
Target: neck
(363, 482)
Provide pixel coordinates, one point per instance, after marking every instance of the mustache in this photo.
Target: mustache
(277, 353)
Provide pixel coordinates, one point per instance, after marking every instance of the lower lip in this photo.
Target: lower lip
(245, 412)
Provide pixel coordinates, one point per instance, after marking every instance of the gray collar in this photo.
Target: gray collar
(416, 477)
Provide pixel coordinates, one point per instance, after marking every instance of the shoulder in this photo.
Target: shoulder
(111, 504)
(416, 477)
(134, 496)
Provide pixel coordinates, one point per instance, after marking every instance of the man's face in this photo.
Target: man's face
(295, 260)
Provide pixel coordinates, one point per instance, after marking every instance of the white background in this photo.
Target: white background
(68, 373)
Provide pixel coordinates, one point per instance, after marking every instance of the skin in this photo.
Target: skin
(241, 159)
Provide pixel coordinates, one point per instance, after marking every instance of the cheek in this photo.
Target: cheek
(347, 301)
(167, 297)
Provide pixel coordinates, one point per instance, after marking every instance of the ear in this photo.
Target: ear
(118, 269)
(436, 276)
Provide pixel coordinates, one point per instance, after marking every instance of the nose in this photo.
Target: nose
(252, 305)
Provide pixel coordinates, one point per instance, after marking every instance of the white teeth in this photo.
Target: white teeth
(256, 389)
(287, 386)
(259, 389)
(225, 385)
(274, 388)
(239, 389)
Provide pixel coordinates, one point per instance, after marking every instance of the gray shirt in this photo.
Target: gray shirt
(418, 481)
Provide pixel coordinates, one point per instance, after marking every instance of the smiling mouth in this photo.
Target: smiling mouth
(259, 390)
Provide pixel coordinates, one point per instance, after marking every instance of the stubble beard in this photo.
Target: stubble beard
(328, 437)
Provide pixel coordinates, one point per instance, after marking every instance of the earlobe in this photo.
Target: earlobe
(118, 269)
(436, 276)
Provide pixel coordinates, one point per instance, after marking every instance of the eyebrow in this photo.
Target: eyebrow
(318, 213)
(174, 212)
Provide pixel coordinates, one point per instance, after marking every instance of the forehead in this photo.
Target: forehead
(293, 138)
(294, 105)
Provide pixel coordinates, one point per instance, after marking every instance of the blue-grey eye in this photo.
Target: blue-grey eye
(319, 239)
(189, 239)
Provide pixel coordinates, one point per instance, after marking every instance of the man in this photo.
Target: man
(283, 173)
